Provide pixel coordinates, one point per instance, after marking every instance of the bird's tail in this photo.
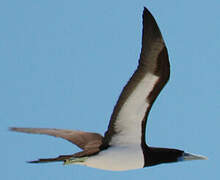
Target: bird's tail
(67, 159)
(57, 159)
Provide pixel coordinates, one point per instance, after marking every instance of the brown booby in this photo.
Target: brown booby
(123, 146)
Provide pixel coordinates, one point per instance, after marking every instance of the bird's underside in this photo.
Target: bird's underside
(115, 158)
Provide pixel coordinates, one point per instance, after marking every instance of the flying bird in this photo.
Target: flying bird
(123, 145)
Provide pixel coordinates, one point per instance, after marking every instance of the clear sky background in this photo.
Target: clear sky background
(63, 64)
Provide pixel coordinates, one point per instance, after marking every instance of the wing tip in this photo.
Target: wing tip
(146, 12)
(12, 128)
(17, 129)
(151, 29)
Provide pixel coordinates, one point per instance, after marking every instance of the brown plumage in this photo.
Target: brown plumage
(153, 60)
(89, 142)
(123, 147)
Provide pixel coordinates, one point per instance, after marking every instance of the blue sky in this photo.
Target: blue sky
(63, 64)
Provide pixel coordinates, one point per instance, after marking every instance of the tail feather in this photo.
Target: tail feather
(57, 159)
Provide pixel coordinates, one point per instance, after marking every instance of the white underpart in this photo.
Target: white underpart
(117, 158)
(125, 152)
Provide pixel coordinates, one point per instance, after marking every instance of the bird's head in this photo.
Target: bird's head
(156, 156)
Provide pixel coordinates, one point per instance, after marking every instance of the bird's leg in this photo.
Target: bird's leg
(75, 160)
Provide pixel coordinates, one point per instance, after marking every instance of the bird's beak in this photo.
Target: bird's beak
(188, 156)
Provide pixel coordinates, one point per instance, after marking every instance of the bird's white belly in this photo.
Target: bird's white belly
(118, 158)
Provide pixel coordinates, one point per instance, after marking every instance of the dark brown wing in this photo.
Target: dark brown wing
(128, 120)
(84, 140)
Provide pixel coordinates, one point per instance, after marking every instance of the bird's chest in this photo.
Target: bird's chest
(118, 158)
